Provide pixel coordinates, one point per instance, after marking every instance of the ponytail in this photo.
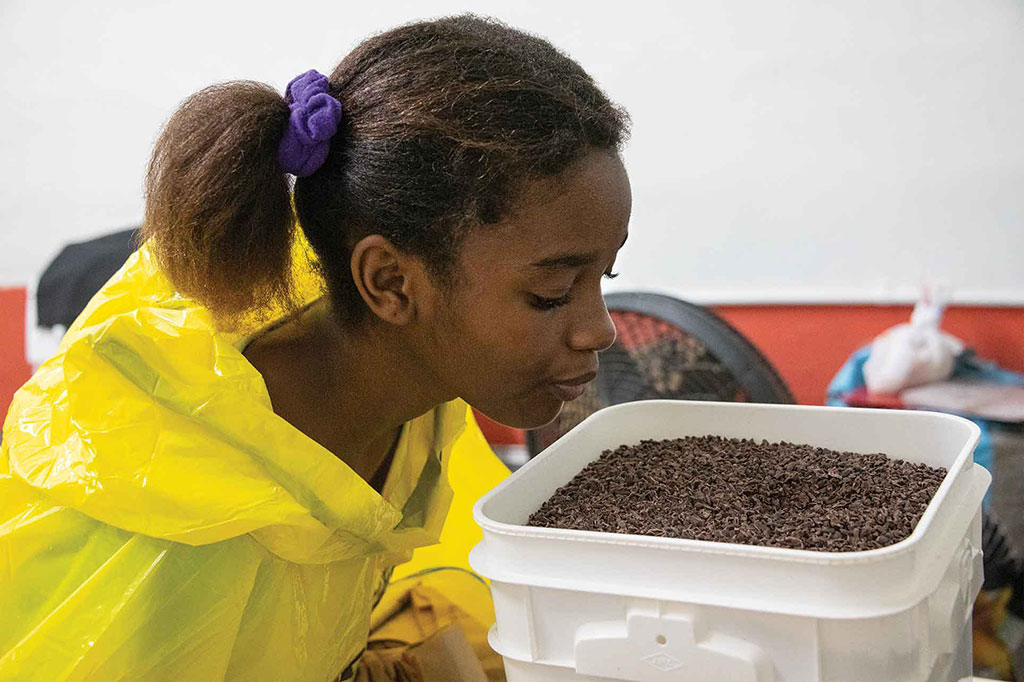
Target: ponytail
(218, 206)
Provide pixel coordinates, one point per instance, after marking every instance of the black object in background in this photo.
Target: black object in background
(1001, 567)
(77, 273)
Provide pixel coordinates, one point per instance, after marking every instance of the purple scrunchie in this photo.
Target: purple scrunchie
(312, 122)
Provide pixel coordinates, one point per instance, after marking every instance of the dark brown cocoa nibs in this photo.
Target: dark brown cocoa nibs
(746, 492)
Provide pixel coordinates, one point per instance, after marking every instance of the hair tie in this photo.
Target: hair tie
(312, 121)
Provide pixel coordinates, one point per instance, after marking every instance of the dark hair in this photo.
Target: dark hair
(443, 123)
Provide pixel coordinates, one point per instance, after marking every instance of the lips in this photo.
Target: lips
(577, 380)
(571, 389)
(567, 393)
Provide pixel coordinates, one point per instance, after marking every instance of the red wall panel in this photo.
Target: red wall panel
(14, 370)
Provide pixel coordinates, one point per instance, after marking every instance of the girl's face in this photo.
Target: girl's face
(520, 333)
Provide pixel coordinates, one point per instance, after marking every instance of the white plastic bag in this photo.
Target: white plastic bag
(913, 354)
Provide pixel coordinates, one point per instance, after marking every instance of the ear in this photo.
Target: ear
(386, 277)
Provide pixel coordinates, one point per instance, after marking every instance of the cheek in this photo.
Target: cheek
(502, 347)
(500, 359)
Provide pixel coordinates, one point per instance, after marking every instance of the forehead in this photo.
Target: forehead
(586, 209)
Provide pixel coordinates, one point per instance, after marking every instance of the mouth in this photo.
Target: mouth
(571, 389)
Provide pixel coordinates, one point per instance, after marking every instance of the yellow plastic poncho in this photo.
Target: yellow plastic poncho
(159, 522)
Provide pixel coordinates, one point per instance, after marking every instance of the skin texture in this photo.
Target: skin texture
(490, 340)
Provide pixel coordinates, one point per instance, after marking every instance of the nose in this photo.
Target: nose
(594, 329)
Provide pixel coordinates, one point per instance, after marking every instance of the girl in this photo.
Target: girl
(258, 417)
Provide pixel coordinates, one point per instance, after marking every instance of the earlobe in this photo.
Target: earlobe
(380, 271)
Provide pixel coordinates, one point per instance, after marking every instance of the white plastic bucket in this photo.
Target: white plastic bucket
(579, 605)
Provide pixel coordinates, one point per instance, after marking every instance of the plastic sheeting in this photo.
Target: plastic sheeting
(159, 521)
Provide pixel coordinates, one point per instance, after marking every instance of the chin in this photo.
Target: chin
(531, 416)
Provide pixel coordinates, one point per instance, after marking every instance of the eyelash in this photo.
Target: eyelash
(546, 304)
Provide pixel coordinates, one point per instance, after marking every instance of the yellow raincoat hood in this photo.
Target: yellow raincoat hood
(159, 521)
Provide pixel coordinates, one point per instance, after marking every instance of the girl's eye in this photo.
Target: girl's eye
(542, 303)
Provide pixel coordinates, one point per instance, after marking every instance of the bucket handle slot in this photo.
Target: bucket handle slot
(650, 646)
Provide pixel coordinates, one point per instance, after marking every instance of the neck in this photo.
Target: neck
(350, 389)
(377, 370)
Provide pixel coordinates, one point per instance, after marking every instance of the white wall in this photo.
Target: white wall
(785, 151)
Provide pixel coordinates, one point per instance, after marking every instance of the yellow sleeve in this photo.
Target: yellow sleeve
(441, 596)
(472, 471)
(82, 600)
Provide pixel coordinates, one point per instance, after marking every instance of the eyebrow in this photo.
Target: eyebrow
(570, 260)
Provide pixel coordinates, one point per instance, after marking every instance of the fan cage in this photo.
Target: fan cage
(650, 359)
